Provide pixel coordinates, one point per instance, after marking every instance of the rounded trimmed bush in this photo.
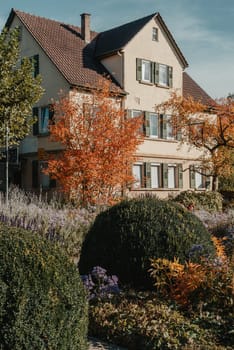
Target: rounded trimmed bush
(125, 237)
(42, 299)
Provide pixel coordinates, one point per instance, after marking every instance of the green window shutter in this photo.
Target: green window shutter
(138, 69)
(152, 71)
(35, 179)
(35, 113)
(192, 177)
(36, 65)
(163, 126)
(51, 114)
(147, 124)
(164, 175)
(156, 73)
(148, 175)
(180, 175)
(170, 76)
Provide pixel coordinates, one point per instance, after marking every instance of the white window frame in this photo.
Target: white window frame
(154, 135)
(170, 133)
(155, 181)
(163, 75)
(146, 76)
(136, 113)
(137, 175)
(155, 34)
(44, 119)
(173, 178)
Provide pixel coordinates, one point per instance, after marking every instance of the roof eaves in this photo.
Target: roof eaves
(172, 40)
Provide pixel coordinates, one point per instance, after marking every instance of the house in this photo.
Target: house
(144, 64)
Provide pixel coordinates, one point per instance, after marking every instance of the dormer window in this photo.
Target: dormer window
(155, 34)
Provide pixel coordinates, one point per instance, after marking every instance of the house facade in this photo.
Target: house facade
(144, 64)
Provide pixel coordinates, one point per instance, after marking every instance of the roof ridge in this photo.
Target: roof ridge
(134, 21)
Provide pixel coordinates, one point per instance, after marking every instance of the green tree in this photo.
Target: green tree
(19, 90)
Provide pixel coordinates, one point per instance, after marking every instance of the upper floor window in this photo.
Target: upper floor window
(155, 34)
(146, 71)
(153, 72)
(44, 115)
(163, 75)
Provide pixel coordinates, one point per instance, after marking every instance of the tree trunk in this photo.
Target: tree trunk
(215, 183)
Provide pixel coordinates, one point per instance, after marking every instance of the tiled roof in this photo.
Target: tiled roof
(115, 39)
(64, 46)
(191, 88)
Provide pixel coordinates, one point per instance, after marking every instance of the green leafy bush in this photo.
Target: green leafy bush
(42, 299)
(126, 236)
(209, 200)
(141, 321)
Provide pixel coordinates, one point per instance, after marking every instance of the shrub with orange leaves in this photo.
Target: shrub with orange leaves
(195, 284)
(99, 146)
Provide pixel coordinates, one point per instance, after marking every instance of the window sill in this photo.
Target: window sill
(150, 138)
(163, 86)
(43, 134)
(146, 82)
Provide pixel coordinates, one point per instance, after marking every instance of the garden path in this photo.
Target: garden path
(95, 344)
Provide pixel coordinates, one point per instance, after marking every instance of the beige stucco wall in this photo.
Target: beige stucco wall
(52, 82)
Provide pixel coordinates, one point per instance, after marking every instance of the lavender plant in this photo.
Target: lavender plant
(64, 225)
(99, 285)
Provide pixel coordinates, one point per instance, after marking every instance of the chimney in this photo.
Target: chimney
(85, 27)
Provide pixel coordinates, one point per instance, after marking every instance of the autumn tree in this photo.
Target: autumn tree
(99, 146)
(19, 90)
(209, 128)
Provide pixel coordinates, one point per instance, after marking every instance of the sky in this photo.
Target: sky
(203, 29)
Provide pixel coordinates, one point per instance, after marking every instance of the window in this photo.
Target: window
(39, 179)
(138, 175)
(163, 75)
(44, 179)
(155, 34)
(171, 176)
(198, 179)
(136, 113)
(166, 128)
(44, 116)
(146, 71)
(153, 72)
(44, 120)
(151, 125)
(155, 173)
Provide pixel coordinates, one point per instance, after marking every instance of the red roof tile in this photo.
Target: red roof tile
(63, 44)
(191, 88)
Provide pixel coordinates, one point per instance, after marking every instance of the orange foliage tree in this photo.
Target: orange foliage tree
(207, 127)
(99, 146)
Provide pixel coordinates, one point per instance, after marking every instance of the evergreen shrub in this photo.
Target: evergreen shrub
(126, 236)
(42, 299)
(209, 200)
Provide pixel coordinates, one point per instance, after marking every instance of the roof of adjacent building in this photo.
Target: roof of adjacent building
(115, 39)
(191, 88)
